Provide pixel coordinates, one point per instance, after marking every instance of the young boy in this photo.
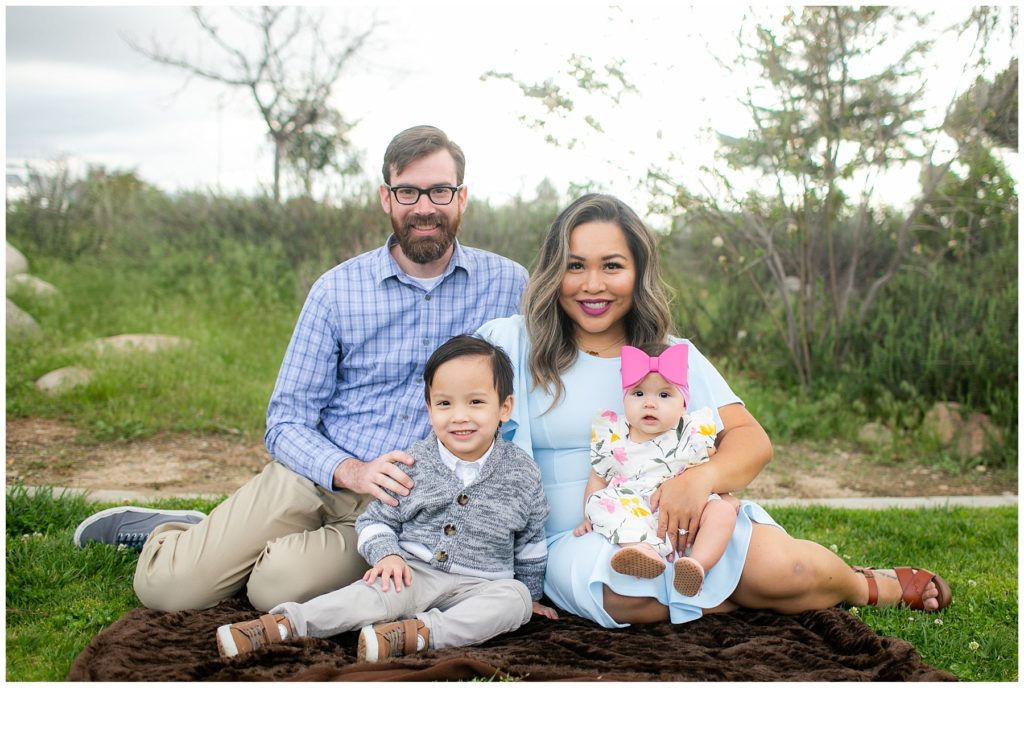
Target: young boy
(461, 558)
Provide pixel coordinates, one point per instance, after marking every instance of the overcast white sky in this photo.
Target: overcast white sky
(76, 90)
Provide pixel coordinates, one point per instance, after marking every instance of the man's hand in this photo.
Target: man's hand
(390, 568)
(544, 611)
(377, 478)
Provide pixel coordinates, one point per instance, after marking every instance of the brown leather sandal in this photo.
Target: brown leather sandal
(913, 581)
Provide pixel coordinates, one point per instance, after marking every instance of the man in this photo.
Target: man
(348, 400)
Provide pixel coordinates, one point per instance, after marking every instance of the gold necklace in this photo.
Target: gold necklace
(597, 352)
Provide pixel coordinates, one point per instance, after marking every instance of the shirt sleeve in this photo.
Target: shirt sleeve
(378, 528)
(304, 387)
(531, 550)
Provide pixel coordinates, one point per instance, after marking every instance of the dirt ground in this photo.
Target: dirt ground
(45, 452)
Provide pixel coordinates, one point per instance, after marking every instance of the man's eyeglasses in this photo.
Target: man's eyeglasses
(440, 195)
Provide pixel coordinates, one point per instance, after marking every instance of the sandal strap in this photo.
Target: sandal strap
(913, 585)
(869, 577)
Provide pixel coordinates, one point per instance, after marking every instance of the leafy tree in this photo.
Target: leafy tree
(320, 148)
(829, 123)
(290, 73)
(836, 106)
(557, 96)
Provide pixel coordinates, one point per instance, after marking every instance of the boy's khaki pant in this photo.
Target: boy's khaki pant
(280, 535)
(458, 610)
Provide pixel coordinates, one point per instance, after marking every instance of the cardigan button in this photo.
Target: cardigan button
(441, 556)
(449, 529)
(463, 499)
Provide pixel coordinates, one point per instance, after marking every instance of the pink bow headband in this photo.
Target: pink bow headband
(670, 364)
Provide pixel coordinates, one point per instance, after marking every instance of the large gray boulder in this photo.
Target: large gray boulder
(19, 324)
(31, 285)
(63, 379)
(16, 262)
(137, 343)
(963, 437)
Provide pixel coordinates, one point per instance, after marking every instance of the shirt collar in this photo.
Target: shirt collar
(451, 461)
(387, 266)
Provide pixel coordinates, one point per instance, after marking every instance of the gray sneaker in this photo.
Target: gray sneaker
(129, 526)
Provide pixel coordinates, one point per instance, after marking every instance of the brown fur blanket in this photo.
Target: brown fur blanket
(824, 645)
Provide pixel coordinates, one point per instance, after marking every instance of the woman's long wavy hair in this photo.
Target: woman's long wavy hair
(553, 346)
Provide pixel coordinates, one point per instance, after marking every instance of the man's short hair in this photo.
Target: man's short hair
(419, 141)
(468, 345)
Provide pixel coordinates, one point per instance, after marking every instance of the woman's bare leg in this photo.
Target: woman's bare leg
(782, 574)
(634, 609)
(789, 576)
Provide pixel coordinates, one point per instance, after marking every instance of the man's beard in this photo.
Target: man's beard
(424, 249)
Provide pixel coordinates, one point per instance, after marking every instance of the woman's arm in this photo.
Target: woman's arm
(743, 451)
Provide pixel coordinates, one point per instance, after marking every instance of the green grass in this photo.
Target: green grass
(236, 310)
(59, 597)
(975, 550)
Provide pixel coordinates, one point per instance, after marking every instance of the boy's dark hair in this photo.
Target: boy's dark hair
(467, 345)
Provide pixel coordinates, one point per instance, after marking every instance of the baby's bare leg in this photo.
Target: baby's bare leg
(716, 526)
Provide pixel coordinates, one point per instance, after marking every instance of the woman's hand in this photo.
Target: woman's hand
(390, 568)
(680, 503)
(584, 527)
(743, 449)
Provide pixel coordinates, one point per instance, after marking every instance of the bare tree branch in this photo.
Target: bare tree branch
(289, 103)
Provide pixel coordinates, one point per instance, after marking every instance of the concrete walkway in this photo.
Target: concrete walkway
(880, 502)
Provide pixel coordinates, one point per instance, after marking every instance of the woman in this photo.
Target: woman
(594, 288)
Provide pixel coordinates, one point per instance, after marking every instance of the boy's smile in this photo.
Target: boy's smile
(464, 407)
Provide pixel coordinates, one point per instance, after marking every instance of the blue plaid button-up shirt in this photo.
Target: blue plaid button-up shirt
(351, 382)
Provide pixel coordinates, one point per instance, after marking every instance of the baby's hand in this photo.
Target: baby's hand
(544, 611)
(585, 526)
(390, 568)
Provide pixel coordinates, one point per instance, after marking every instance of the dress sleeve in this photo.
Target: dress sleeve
(605, 433)
(707, 386)
(701, 431)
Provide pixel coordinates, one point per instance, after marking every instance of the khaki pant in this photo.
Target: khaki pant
(280, 536)
(458, 610)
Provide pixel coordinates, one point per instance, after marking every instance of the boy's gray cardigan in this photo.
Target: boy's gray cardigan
(492, 528)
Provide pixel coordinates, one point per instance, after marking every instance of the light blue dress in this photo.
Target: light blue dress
(559, 441)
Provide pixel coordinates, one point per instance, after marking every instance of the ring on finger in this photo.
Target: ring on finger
(682, 531)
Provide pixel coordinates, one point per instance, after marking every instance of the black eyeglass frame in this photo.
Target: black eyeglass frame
(420, 192)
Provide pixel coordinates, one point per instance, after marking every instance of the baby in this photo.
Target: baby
(632, 457)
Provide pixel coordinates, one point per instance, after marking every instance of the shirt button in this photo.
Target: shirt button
(449, 529)
(405, 417)
(441, 556)
(463, 499)
(426, 342)
(426, 297)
